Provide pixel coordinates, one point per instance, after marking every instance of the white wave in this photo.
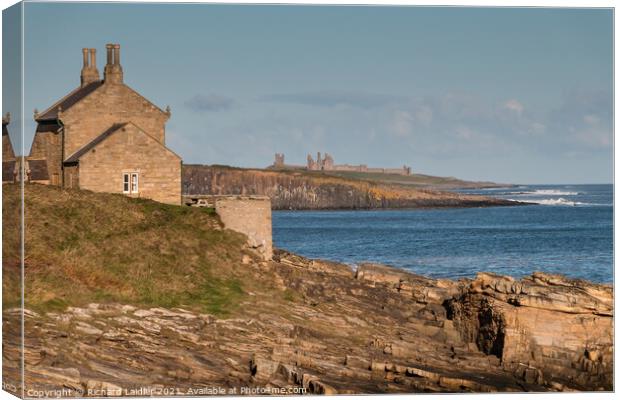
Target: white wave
(549, 192)
(555, 202)
(561, 202)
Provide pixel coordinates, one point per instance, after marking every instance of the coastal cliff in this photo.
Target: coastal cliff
(132, 297)
(297, 190)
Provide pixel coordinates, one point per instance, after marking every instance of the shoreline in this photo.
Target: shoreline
(337, 331)
(509, 203)
(134, 285)
(354, 266)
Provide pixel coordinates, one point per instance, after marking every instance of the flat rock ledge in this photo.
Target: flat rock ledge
(375, 329)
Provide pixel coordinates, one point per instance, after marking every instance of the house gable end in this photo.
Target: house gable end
(84, 151)
(124, 151)
(68, 101)
(111, 104)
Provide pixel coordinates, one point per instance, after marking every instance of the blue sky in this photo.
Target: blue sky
(509, 95)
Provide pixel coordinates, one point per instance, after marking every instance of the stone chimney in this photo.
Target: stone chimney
(90, 73)
(113, 72)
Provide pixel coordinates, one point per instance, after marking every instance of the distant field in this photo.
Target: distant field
(414, 180)
(418, 180)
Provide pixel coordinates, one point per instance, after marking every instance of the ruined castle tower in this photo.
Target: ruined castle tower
(328, 162)
(106, 137)
(279, 160)
(311, 164)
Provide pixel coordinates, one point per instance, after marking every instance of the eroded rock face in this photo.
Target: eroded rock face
(546, 328)
(302, 191)
(330, 330)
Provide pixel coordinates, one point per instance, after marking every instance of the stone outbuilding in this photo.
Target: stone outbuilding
(35, 170)
(105, 137)
(9, 161)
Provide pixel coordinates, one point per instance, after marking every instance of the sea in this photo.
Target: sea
(568, 229)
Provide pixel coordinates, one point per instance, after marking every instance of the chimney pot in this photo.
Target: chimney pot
(93, 58)
(113, 72)
(85, 56)
(117, 54)
(89, 72)
(109, 50)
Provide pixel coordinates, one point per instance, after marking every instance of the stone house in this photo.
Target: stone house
(105, 137)
(8, 154)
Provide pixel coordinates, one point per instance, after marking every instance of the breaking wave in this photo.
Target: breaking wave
(553, 202)
(557, 202)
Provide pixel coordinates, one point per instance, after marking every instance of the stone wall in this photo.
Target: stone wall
(132, 150)
(110, 104)
(8, 155)
(71, 177)
(7, 148)
(250, 215)
(348, 167)
(47, 145)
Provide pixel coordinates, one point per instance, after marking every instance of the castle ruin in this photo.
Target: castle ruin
(326, 163)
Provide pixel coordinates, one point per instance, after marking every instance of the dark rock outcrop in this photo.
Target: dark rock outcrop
(546, 328)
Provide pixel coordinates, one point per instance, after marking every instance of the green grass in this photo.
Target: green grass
(419, 180)
(83, 247)
(220, 296)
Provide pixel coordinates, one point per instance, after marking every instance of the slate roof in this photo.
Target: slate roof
(75, 157)
(7, 171)
(68, 101)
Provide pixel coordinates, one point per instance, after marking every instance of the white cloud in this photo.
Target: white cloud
(514, 106)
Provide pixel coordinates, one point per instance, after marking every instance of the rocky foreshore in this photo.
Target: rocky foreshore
(373, 330)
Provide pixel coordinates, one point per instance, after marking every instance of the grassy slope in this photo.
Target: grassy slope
(416, 180)
(84, 247)
(420, 180)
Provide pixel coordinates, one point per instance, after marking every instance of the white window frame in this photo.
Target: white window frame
(126, 182)
(134, 183)
(131, 182)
